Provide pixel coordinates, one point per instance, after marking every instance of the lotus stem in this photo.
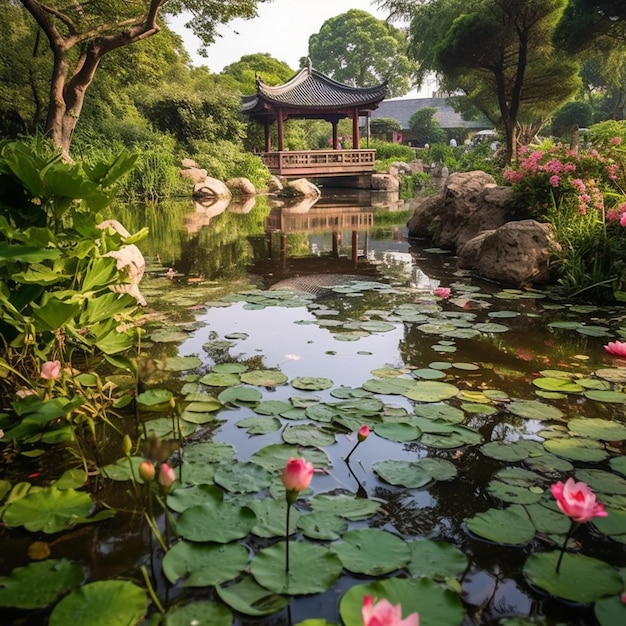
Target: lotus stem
(570, 532)
(287, 539)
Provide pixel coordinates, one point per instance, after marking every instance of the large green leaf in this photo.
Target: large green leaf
(102, 603)
(242, 477)
(250, 598)
(199, 613)
(436, 559)
(430, 391)
(54, 314)
(505, 526)
(271, 517)
(219, 522)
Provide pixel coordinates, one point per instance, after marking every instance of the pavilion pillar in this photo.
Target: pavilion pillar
(268, 136)
(335, 138)
(356, 140)
(279, 121)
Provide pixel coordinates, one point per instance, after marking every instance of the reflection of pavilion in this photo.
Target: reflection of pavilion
(275, 261)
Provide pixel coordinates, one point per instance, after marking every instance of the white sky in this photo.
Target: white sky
(282, 29)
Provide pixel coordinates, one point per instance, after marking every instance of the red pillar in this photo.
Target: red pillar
(268, 136)
(356, 140)
(335, 140)
(281, 140)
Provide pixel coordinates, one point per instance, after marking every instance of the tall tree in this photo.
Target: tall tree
(500, 54)
(80, 33)
(270, 70)
(357, 49)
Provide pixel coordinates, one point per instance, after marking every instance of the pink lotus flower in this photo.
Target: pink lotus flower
(442, 292)
(297, 474)
(577, 500)
(363, 433)
(383, 613)
(167, 476)
(617, 348)
(51, 370)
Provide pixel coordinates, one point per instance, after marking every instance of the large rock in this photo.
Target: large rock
(274, 185)
(468, 204)
(301, 187)
(385, 182)
(241, 186)
(211, 188)
(518, 254)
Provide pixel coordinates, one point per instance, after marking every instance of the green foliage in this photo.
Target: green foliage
(570, 114)
(357, 49)
(386, 150)
(384, 125)
(270, 70)
(606, 134)
(58, 280)
(426, 127)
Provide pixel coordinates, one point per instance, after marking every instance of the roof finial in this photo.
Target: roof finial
(310, 64)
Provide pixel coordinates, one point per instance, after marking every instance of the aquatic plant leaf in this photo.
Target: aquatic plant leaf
(596, 428)
(491, 327)
(388, 386)
(199, 612)
(456, 437)
(272, 407)
(322, 412)
(435, 605)
(374, 326)
(197, 473)
(168, 335)
(614, 525)
(242, 477)
(180, 363)
(594, 331)
(264, 378)
(275, 456)
(39, 584)
(569, 325)
(121, 470)
(618, 464)
(430, 391)
(259, 425)
(511, 450)
(478, 409)
(270, 517)
(184, 497)
(617, 397)
(307, 435)
(440, 411)
(397, 431)
(163, 428)
(195, 417)
(409, 474)
(229, 368)
(435, 559)
(550, 465)
(219, 379)
(612, 374)
(372, 551)
(207, 405)
(428, 374)
(533, 409)
(209, 452)
(218, 522)
(593, 383)
(512, 493)
(548, 520)
(102, 603)
(241, 396)
(503, 314)
(250, 598)
(348, 507)
(204, 564)
(322, 526)
(557, 385)
(580, 578)
(510, 526)
(48, 509)
(610, 611)
(153, 397)
(311, 383)
(312, 568)
(575, 449)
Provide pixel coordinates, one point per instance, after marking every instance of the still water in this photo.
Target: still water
(336, 292)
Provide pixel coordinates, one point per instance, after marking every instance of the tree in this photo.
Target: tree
(357, 49)
(80, 34)
(500, 54)
(571, 114)
(270, 70)
(426, 127)
(384, 125)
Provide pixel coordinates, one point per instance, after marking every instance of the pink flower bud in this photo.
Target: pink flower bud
(442, 292)
(297, 474)
(50, 370)
(167, 476)
(363, 433)
(147, 471)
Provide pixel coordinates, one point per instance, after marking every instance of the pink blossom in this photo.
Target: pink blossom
(579, 185)
(167, 476)
(622, 220)
(577, 500)
(616, 141)
(617, 348)
(363, 433)
(442, 292)
(383, 613)
(51, 370)
(614, 215)
(554, 180)
(297, 474)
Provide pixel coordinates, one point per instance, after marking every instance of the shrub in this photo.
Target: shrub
(387, 151)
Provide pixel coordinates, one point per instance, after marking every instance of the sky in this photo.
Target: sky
(282, 29)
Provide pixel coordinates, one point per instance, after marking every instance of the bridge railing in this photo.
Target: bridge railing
(320, 162)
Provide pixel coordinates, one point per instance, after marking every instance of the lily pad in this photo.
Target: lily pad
(577, 449)
(436, 559)
(372, 551)
(246, 477)
(533, 409)
(405, 473)
(218, 522)
(264, 378)
(311, 383)
(199, 613)
(307, 435)
(398, 431)
(275, 456)
(249, 598)
(184, 497)
(348, 507)
(217, 379)
(509, 526)
(270, 517)
(241, 396)
(616, 397)
(180, 363)
(596, 428)
(580, 579)
(430, 391)
(259, 425)
(320, 525)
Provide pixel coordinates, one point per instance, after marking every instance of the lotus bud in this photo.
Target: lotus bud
(127, 445)
(147, 471)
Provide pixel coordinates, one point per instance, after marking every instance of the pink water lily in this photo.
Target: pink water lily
(383, 613)
(442, 292)
(363, 433)
(577, 500)
(167, 476)
(297, 474)
(617, 348)
(51, 370)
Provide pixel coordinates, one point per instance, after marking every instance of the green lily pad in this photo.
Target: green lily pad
(242, 477)
(596, 428)
(218, 522)
(121, 469)
(388, 386)
(154, 397)
(307, 435)
(618, 464)
(102, 603)
(398, 431)
(580, 579)
(372, 551)
(435, 605)
(218, 379)
(322, 526)
(184, 497)
(311, 383)
(203, 565)
(270, 517)
(259, 425)
(229, 368)
(456, 437)
(514, 494)
(241, 396)
(275, 456)
(436, 559)
(163, 428)
(39, 584)
(249, 598)
(557, 385)
(576, 449)
(180, 363)
(440, 411)
(430, 391)
(491, 327)
(312, 568)
(548, 520)
(616, 397)
(209, 452)
(610, 611)
(348, 507)
(511, 450)
(264, 378)
(272, 407)
(48, 509)
(411, 474)
(428, 374)
(199, 613)
(509, 526)
(533, 409)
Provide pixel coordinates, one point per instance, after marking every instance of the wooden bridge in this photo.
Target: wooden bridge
(320, 163)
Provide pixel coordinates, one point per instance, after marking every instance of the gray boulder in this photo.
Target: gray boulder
(211, 188)
(301, 187)
(241, 186)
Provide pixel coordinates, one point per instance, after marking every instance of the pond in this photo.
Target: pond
(279, 330)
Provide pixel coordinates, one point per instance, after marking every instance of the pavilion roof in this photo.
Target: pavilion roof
(310, 90)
